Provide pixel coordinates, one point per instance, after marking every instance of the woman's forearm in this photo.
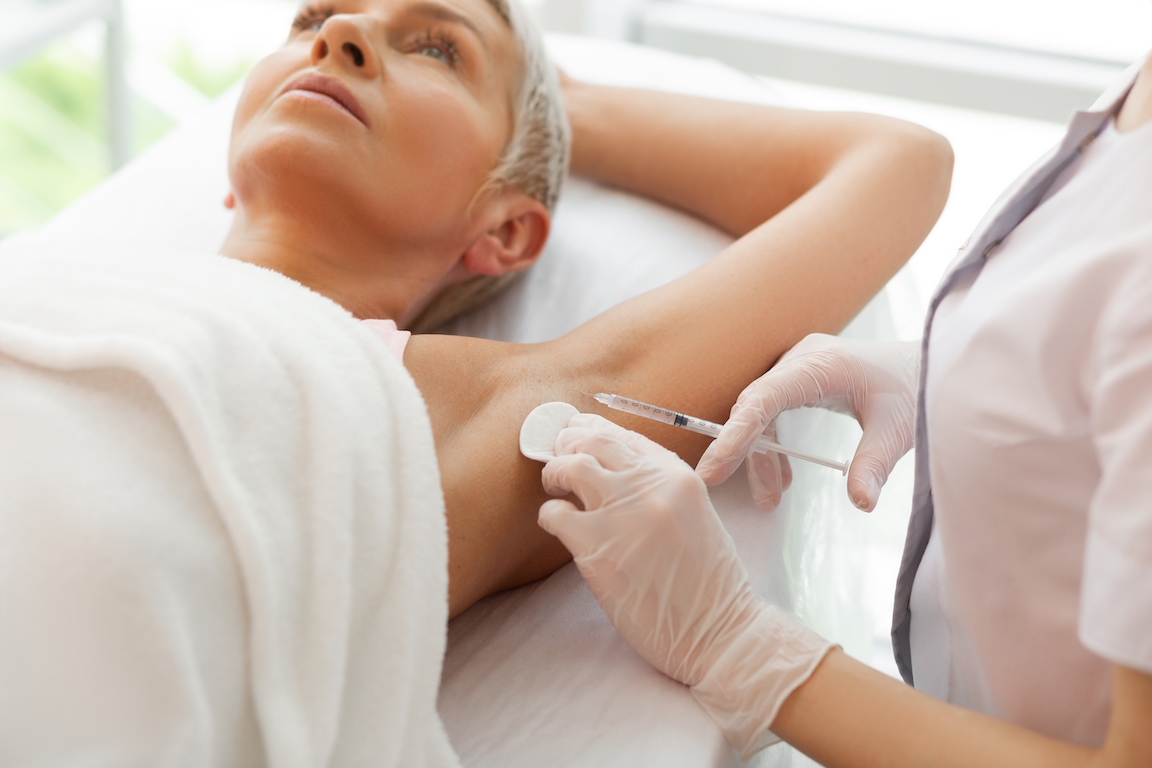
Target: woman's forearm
(695, 343)
(849, 715)
(736, 165)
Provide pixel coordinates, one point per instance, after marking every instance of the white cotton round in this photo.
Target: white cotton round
(538, 434)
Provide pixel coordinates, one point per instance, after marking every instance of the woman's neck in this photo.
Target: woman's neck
(358, 276)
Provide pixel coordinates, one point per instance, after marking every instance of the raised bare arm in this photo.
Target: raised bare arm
(829, 207)
(832, 205)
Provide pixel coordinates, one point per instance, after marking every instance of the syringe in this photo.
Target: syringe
(700, 426)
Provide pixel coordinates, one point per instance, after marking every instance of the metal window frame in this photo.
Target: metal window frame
(52, 20)
(955, 72)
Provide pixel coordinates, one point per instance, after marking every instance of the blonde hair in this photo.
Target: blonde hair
(535, 160)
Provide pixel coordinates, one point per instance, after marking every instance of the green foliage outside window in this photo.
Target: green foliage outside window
(52, 128)
(210, 81)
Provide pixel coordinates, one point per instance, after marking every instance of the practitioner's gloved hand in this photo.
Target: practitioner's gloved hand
(660, 563)
(876, 382)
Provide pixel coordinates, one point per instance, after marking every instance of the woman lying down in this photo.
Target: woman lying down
(223, 500)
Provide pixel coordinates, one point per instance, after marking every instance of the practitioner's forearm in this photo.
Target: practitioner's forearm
(851, 716)
(736, 165)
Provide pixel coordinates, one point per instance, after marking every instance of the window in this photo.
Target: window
(1107, 30)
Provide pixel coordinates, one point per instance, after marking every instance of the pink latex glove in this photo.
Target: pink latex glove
(876, 382)
(660, 563)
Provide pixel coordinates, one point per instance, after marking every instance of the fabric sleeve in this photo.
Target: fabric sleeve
(396, 339)
(1116, 591)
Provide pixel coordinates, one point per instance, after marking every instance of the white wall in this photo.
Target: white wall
(599, 18)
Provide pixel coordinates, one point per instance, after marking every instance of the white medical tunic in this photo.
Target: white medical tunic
(1038, 405)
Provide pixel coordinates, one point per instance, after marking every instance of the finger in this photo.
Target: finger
(634, 440)
(616, 448)
(881, 447)
(577, 473)
(712, 470)
(724, 455)
(721, 458)
(785, 466)
(866, 476)
(593, 421)
(796, 384)
(765, 479)
(556, 517)
(582, 533)
(735, 441)
(612, 453)
(813, 343)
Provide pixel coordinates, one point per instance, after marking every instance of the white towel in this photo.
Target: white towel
(222, 535)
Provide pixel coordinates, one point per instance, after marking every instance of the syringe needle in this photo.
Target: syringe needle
(601, 398)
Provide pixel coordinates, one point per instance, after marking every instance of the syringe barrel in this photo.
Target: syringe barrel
(701, 427)
(656, 413)
(645, 410)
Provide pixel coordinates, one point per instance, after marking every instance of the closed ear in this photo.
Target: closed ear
(513, 239)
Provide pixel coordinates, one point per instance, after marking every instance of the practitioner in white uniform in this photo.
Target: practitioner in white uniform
(1025, 594)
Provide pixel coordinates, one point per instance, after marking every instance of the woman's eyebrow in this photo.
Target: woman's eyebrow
(444, 13)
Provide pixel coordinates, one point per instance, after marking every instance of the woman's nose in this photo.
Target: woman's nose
(342, 40)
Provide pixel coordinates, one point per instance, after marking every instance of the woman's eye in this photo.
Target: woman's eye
(311, 18)
(438, 46)
(433, 52)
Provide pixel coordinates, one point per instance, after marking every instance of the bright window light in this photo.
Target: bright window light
(1110, 30)
(53, 130)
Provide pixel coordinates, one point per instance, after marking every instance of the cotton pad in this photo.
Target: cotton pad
(538, 434)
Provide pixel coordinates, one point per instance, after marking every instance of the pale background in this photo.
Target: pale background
(182, 53)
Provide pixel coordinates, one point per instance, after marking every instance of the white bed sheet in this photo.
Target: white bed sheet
(537, 676)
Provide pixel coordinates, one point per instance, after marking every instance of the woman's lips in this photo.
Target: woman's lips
(330, 91)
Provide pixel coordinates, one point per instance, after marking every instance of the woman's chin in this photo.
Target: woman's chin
(288, 154)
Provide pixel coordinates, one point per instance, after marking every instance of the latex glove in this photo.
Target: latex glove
(660, 563)
(876, 382)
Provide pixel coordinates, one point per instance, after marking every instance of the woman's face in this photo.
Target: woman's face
(379, 119)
